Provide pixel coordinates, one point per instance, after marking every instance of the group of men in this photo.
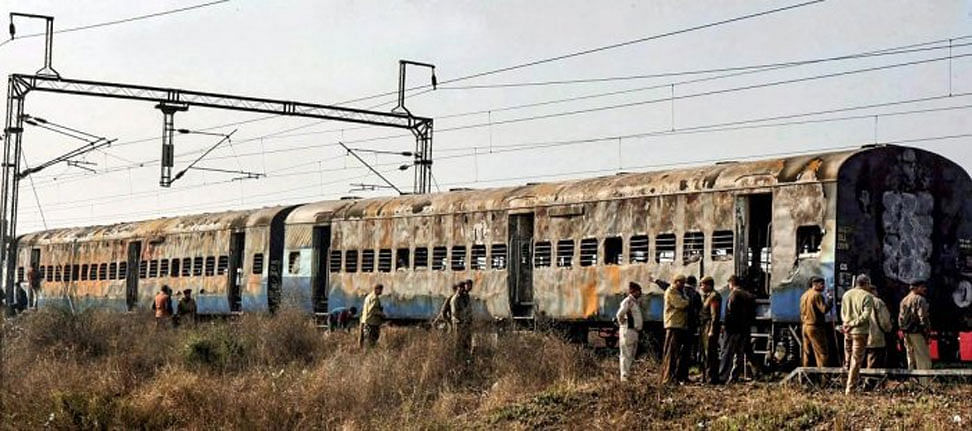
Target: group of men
(867, 327)
(165, 315)
(693, 322)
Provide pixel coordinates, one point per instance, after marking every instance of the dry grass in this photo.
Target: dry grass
(99, 370)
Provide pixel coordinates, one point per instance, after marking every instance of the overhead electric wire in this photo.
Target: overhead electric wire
(40, 210)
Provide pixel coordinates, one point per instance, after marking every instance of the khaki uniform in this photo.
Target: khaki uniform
(186, 311)
(676, 324)
(879, 327)
(631, 323)
(709, 326)
(857, 305)
(914, 323)
(461, 312)
(372, 316)
(813, 311)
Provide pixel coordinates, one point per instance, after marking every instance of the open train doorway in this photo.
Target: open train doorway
(234, 294)
(520, 272)
(321, 246)
(131, 276)
(754, 241)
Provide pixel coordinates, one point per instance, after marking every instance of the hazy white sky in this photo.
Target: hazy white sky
(333, 51)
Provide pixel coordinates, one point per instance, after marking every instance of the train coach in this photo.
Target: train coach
(561, 252)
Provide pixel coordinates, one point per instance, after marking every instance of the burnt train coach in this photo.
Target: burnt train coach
(565, 251)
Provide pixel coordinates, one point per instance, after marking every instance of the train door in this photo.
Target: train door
(520, 272)
(319, 272)
(235, 276)
(131, 277)
(33, 278)
(754, 218)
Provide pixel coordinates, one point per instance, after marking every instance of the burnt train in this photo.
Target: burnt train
(559, 252)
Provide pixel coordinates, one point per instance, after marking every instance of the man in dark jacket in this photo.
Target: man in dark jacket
(740, 315)
(710, 325)
(691, 346)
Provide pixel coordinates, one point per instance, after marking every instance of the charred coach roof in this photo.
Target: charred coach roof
(723, 176)
(157, 227)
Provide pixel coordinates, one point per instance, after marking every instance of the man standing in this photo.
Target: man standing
(914, 323)
(675, 323)
(857, 305)
(691, 344)
(709, 327)
(445, 312)
(163, 307)
(878, 329)
(372, 316)
(630, 323)
(461, 311)
(813, 311)
(740, 314)
(186, 309)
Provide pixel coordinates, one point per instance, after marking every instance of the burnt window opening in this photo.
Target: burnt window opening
(50, 272)
(498, 256)
(122, 270)
(186, 267)
(84, 272)
(258, 263)
(439, 258)
(174, 267)
(402, 257)
(565, 253)
(164, 268)
(210, 266)
(102, 271)
(588, 252)
(421, 257)
(384, 260)
(57, 272)
(293, 262)
(367, 261)
(142, 269)
(613, 251)
(351, 261)
(334, 265)
(477, 258)
(722, 245)
(197, 266)
(67, 272)
(20, 273)
(459, 258)
(93, 274)
(693, 247)
(222, 265)
(808, 240)
(639, 249)
(153, 269)
(665, 248)
(113, 271)
(75, 271)
(541, 254)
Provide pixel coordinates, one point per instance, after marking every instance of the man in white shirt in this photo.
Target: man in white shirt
(630, 323)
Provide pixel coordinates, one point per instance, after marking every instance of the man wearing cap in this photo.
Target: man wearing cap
(630, 323)
(709, 327)
(372, 316)
(186, 310)
(878, 329)
(857, 305)
(676, 324)
(914, 323)
(813, 311)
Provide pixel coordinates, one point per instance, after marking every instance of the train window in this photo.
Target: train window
(367, 261)
(122, 270)
(20, 273)
(93, 275)
(197, 266)
(164, 268)
(421, 257)
(458, 258)
(334, 265)
(384, 260)
(67, 272)
(174, 267)
(258, 262)
(613, 251)
(75, 271)
(639, 249)
(222, 264)
(351, 261)
(153, 269)
(722, 245)
(498, 256)
(103, 271)
(588, 252)
(565, 253)
(293, 262)
(84, 272)
(665, 248)
(439, 258)
(186, 266)
(57, 272)
(808, 240)
(45, 273)
(541, 254)
(113, 271)
(211, 266)
(402, 256)
(693, 246)
(142, 269)
(478, 257)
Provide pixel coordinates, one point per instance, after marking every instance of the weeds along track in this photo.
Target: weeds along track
(108, 370)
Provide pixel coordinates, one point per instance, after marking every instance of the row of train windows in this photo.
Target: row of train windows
(176, 267)
(403, 259)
